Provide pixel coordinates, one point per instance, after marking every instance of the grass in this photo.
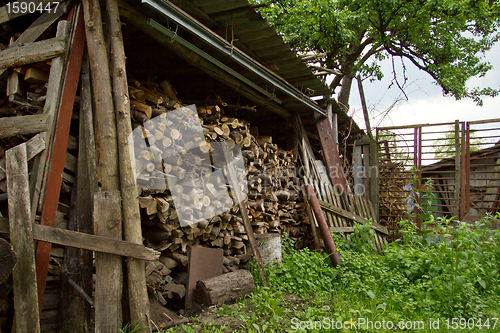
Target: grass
(435, 274)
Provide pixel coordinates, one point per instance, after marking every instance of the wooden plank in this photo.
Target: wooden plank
(34, 146)
(39, 174)
(312, 219)
(324, 196)
(21, 125)
(108, 285)
(21, 236)
(7, 13)
(30, 53)
(87, 241)
(60, 145)
(352, 216)
(87, 181)
(331, 153)
(342, 229)
(330, 200)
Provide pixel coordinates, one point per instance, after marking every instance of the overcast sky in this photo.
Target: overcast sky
(426, 103)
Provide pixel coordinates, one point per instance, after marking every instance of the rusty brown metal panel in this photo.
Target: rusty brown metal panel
(331, 154)
(204, 263)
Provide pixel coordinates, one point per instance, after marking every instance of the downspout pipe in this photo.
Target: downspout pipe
(330, 246)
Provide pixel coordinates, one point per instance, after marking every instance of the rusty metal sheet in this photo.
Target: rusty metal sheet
(204, 263)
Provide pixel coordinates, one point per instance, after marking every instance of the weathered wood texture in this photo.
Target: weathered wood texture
(87, 180)
(30, 53)
(21, 235)
(38, 27)
(8, 259)
(34, 146)
(24, 125)
(109, 276)
(225, 288)
(108, 268)
(89, 242)
(132, 232)
(342, 209)
(60, 144)
(40, 174)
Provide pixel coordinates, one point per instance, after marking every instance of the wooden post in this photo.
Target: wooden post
(87, 179)
(137, 292)
(233, 182)
(27, 316)
(108, 284)
(108, 309)
(365, 108)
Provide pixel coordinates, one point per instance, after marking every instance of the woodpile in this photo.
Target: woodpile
(273, 201)
(176, 183)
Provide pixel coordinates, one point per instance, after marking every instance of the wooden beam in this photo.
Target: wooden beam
(38, 27)
(21, 125)
(138, 299)
(60, 145)
(86, 241)
(30, 53)
(351, 216)
(108, 287)
(21, 236)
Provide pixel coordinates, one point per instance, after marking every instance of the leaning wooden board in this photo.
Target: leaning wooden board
(86, 241)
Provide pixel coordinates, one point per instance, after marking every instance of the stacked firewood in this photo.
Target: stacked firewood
(167, 277)
(174, 151)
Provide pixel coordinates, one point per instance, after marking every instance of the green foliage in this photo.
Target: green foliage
(445, 146)
(446, 39)
(450, 272)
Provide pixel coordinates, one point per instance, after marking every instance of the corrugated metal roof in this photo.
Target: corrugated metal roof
(238, 22)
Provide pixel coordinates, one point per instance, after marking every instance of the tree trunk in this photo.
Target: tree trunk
(345, 92)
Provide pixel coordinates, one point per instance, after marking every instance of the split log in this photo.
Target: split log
(225, 288)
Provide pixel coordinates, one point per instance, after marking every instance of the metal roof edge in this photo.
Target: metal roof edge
(193, 26)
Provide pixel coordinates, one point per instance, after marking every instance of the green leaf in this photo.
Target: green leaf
(371, 294)
(481, 282)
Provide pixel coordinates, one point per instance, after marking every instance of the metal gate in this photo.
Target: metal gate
(461, 158)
